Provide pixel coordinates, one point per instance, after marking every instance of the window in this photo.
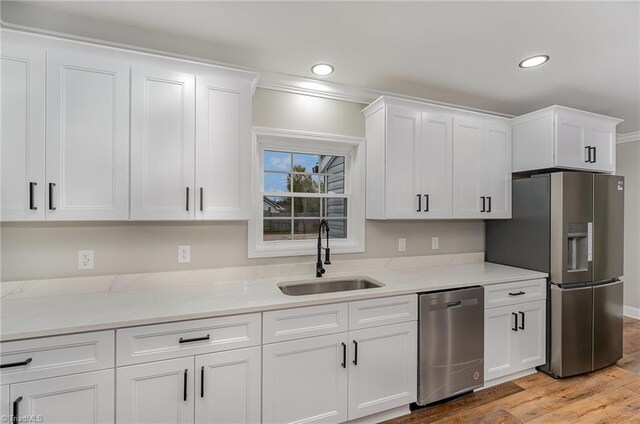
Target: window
(301, 179)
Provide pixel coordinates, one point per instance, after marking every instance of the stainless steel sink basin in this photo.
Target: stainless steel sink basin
(301, 288)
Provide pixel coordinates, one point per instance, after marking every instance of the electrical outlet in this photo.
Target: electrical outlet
(85, 259)
(184, 254)
(435, 243)
(402, 245)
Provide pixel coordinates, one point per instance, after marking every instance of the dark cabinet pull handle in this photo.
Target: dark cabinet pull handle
(588, 154)
(595, 151)
(32, 205)
(202, 382)
(16, 412)
(17, 364)
(522, 319)
(184, 392)
(515, 327)
(520, 293)
(489, 208)
(355, 355)
(419, 203)
(51, 186)
(426, 203)
(195, 339)
(484, 209)
(344, 355)
(201, 199)
(187, 199)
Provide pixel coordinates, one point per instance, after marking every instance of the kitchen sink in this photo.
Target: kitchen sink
(301, 288)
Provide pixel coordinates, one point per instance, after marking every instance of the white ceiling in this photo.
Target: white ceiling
(458, 52)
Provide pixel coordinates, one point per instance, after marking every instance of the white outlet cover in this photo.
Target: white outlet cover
(435, 243)
(402, 245)
(85, 259)
(184, 254)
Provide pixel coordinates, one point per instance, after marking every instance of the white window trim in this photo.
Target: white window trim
(302, 141)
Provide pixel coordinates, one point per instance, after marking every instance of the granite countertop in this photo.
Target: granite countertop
(27, 317)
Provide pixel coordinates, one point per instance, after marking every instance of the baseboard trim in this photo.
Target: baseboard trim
(382, 416)
(631, 312)
(506, 378)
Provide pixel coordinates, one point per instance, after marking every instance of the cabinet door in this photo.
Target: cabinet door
(500, 342)
(5, 408)
(157, 392)
(22, 73)
(228, 387)
(571, 140)
(602, 137)
(74, 399)
(305, 380)
(532, 332)
(162, 144)
(435, 165)
(223, 147)
(468, 135)
(87, 137)
(382, 368)
(403, 189)
(496, 170)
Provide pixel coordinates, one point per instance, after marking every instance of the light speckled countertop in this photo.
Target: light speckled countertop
(27, 317)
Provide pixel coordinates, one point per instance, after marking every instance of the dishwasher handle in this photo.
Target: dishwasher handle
(454, 304)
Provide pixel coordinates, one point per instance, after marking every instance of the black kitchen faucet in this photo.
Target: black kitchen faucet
(327, 258)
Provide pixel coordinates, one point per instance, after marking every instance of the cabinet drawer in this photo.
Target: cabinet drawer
(56, 356)
(388, 310)
(298, 323)
(165, 341)
(513, 293)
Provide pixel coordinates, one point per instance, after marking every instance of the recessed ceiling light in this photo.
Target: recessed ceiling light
(322, 69)
(534, 61)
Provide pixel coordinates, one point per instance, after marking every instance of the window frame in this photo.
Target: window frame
(352, 148)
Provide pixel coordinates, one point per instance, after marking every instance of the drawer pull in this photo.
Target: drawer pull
(520, 293)
(17, 364)
(195, 339)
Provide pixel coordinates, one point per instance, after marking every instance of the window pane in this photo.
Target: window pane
(276, 182)
(306, 207)
(276, 206)
(305, 229)
(331, 165)
(335, 184)
(305, 183)
(276, 229)
(305, 163)
(277, 161)
(337, 228)
(335, 208)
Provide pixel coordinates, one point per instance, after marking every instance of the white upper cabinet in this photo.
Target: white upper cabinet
(162, 143)
(432, 162)
(87, 164)
(223, 147)
(560, 137)
(22, 70)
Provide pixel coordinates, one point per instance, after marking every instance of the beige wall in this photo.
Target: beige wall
(49, 250)
(628, 164)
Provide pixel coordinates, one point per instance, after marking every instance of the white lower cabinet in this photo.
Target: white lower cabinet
(5, 410)
(514, 338)
(305, 380)
(228, 387)
(73, 399)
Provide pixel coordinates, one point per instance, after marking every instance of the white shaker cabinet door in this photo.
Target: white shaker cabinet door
(532, 333)
(435, 165)
(468, 137)
(22, 71)
(572, 144)
(162, 144)
(87, 137)
(228, 387)
(305, 380)
(496, 156)
(602, 136)
(5, 402)
(501, 342)
(157, 392)
(223, 147)
(403, 190)
(86, 398)
(382, 368)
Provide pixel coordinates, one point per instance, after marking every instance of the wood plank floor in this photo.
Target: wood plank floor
(610, 395)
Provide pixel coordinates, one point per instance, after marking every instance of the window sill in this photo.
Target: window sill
(303, 248)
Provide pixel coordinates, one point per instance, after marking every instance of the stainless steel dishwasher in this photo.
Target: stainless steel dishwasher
(451, 343)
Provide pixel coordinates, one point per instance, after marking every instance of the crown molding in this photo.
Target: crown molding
(628, 137)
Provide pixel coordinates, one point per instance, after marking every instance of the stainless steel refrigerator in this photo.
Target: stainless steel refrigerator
(570, 225)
